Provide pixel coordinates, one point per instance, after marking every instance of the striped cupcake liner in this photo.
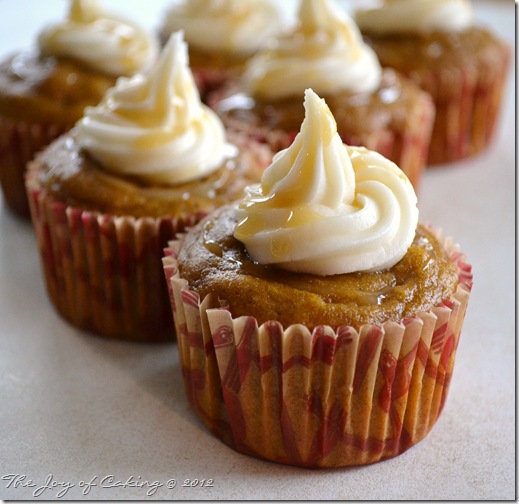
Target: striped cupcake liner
(321, 398)
(20, 141)
(103, 273)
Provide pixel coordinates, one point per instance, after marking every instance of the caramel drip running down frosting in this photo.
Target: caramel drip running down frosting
(416, 16)
(154, 128)
(102, 41)
(325, 208)
(324, 52)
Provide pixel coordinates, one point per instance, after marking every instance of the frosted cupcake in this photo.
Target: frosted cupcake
(105, 198)
(375, 108)
(461, 65)
(44, 90)
(317, 321)
(222, 35)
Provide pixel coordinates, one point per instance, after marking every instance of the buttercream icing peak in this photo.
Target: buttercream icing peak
(100, 40)
(84, 11)
(236, 27)
(154, 127)
(148, 101)
(315, 168)
(325, 208)
(324, 51)
(321, 16)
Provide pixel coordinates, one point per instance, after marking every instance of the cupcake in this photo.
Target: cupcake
(317, 321)
(375, 108)
(44, 90)
(222, 35)
(461, 65)
(107, 197)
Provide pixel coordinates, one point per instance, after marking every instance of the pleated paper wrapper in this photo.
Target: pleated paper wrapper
(321, 398)
(19, 143)
(466, 122)
(103, 273)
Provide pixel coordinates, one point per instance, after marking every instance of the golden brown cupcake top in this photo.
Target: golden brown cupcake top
(150, 148)
(390, 106)
(429, 36)
(213, 261)
(438, 50)
(71, 176)
(48, 89)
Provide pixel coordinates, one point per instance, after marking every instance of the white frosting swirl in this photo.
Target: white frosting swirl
(325, 208)
(102, 41)
(154, 128)
(233, 26)
(324, 52)
(416, 16)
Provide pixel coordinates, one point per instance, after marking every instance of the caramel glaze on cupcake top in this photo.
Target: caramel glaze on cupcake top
(73, 65)
(38, 88)
(150, 148)
(390, 106)
(329, 237)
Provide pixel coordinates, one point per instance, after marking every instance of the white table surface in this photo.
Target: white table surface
(74, 407)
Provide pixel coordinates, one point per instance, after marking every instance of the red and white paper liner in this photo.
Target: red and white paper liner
(19, 143)
(321, 398)
(103, 273)
(407, 147)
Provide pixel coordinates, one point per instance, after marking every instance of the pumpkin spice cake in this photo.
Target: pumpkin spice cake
(106, 197)
(317, 320)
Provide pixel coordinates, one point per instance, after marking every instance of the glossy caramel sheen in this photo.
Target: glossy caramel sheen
(70, 175)
(390, 107)
(48, 89)
(213, 261)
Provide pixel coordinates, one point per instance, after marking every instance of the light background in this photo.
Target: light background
(75, 406)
